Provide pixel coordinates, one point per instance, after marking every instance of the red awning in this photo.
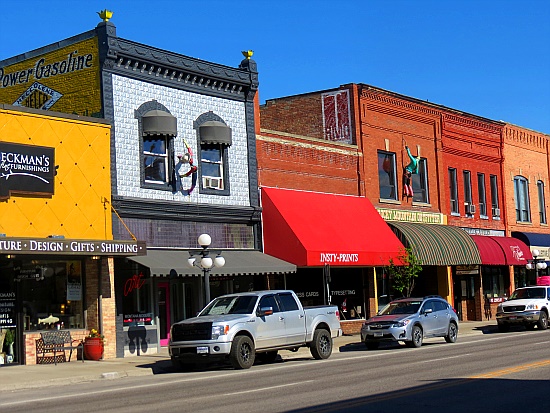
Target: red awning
(502, 250)
(313, 229)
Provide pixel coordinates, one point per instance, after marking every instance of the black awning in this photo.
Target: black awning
(164, 263)
(158, 122)
(215, 132)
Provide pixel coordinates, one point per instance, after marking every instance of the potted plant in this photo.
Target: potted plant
(94, 345)
(9, 339)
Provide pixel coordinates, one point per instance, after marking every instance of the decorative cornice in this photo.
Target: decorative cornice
(393, 101)
(471, 155)
(352, 151)
(140, 61)
(472, 123)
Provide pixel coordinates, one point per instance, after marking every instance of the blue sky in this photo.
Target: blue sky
(490, 58)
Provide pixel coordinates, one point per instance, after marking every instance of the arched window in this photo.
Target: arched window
(521, 196)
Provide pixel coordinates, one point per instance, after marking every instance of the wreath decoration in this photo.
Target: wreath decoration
(187, 158)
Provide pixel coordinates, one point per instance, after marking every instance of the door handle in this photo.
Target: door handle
(301, 316)
(281, 319)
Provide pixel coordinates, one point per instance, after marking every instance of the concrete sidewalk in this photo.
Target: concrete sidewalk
(36, 376)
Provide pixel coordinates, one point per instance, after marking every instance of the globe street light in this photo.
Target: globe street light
(206, 262)
(536, 263)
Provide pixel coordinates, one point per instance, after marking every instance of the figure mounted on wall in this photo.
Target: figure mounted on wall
(186, 159)
(411, 168)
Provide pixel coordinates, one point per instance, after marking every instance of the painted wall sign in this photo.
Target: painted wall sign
(411, 216)
(337, 117)
(56, 246)
(26, 169)
(65, 80)
(484, 232)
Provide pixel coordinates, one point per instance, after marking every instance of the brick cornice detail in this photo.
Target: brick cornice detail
(471, 155)
(471, 123)
(400, 103)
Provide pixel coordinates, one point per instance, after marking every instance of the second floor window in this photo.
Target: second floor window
(212, 166)
(542, 203)
(521, 195)
(155, 159)
(387, 181)
(494, 196)
(468, 203)
(481, 194)
(420, 182)
(453, 191)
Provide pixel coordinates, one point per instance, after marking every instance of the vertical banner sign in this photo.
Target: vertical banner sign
(337, 116)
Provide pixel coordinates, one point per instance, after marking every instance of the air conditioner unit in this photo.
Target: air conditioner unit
(212, 182)
(496, 212)
(470, 209)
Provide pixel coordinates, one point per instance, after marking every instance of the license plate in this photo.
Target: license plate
(202, 350)
(512, 318)
(378, 334)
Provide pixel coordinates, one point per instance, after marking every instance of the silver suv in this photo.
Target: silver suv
(411, 320)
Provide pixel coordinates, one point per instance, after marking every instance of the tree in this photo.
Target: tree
(404, 276)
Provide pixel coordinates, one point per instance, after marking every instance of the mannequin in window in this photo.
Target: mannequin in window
(411, 168)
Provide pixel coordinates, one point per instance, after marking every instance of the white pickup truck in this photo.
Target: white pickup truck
(528, 306)
(240, 326)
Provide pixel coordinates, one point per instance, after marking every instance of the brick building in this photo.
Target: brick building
(183, 163)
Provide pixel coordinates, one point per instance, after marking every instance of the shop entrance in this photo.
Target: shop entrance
(464, 296)
(164, 312)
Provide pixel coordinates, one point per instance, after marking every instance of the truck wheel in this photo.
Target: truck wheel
(543, 321)
(321, 347)
(503, 328)
(242, 353)
(268, 357)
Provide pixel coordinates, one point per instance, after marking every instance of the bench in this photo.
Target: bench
(56, 342)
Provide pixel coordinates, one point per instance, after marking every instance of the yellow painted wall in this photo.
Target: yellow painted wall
(65, 80)
(82, 151)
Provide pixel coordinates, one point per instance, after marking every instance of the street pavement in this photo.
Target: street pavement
(15, 377)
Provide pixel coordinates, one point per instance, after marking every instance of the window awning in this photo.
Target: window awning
(164, 263)
(159, 122)
(535, 241)
(438, 244)
(314, 229)
(215, 132)
(502, 250)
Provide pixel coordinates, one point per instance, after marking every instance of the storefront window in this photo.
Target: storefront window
(136, 300)
(495, 281)
(51, 293)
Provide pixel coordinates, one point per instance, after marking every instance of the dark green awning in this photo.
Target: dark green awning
(437, 244)
(165, 263)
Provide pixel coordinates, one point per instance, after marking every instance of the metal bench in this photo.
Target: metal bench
(56, 342)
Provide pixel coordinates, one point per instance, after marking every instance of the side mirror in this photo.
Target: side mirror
(264, 311)
(427, 311)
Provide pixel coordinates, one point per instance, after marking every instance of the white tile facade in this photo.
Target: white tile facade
(130, 94)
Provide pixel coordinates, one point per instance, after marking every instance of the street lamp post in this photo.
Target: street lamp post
(205, 263)
(536, 263)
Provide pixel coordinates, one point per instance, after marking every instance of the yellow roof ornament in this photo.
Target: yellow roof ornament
(105, 15)
(248, 53)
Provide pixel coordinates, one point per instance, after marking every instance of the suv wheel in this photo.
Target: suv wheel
(452, 333)
(543, 321)
(417, 337)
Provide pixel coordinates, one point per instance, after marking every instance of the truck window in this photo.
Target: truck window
(269, 301)
(288, 302)
(231, 305)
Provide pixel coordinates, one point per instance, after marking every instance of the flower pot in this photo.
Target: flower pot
(93, 348)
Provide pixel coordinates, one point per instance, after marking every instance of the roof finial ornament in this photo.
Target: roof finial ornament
(248, 53)
(105, 15)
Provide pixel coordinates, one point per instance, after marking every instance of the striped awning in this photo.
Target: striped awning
(437, 244)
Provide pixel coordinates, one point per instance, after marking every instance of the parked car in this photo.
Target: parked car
(410, 320)
(527, 306)
(240, 326)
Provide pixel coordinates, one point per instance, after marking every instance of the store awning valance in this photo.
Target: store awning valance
(314, 229)
(437, 244)
(159, 122)
(165, 263)
(536, 241)
(215, 132)
(502, 250)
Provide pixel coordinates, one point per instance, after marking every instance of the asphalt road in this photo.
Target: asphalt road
(489, 373)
